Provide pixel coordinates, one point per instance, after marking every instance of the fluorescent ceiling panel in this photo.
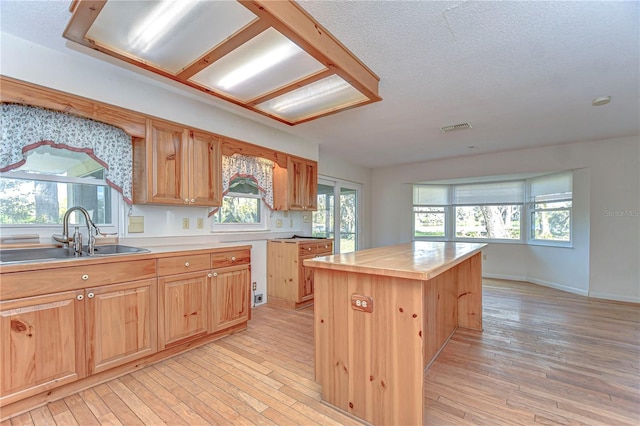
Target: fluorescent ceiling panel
(323, 96)
(265, 63)
(169, 34)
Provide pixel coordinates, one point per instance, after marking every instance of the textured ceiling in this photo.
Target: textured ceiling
(523, 73)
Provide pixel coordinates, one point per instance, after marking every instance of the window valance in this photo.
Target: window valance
(26, 127)
(256, 168)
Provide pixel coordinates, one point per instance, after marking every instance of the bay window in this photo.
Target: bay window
(536, 210)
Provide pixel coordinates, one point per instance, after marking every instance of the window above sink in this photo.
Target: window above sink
(51, 180)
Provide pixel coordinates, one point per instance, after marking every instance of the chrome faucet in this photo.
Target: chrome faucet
(77, 238)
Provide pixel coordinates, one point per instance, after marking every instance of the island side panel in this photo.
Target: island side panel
(331, 310)
(384, 364)
(440, 312)
(470, 293)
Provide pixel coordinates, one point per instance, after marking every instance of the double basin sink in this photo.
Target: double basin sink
(60, 253)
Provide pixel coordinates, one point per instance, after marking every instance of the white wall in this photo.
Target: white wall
(604, 259)
(333, 167)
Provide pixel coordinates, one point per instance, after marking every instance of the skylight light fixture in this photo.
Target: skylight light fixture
(309, 94)
(268, 56)
(258, 65)
(165, 16)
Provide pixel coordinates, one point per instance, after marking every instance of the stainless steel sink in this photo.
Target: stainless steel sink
(58, 253)
(107, 250)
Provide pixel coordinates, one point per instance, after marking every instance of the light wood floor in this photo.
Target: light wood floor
(544, 357)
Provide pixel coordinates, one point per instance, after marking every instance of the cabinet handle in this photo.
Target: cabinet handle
(215, 274)
(79, 297)
(233, 258)
(209, 275)
(90, 295)
(85, 277)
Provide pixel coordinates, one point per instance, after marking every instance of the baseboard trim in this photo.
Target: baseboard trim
(615, 297)
(543, 283)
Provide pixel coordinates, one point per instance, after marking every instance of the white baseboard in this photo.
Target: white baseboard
(615, 297)
(544, 283)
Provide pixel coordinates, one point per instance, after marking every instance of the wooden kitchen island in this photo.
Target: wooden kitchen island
(381, 317)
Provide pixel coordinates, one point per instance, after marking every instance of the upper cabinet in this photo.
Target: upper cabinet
(175, 165)
(296, 187)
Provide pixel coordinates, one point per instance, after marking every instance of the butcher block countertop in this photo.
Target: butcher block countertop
(418, 260)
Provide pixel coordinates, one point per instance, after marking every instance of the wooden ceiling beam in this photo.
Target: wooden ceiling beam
(297, 25)
(290, 87)
(229, 45)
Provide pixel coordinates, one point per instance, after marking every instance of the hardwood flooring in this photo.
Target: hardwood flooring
(544, 357)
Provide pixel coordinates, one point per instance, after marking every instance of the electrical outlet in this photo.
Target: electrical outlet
(185, 223)
(257, 299)
(484, 256)
(255, 285)
(200, 223)
(306, 218)
(361, 303)
(278, 223)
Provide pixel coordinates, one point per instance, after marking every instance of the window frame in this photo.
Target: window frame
(455, 238)
(43, 228)
(447, 224)
(527, 210)
(262, 225)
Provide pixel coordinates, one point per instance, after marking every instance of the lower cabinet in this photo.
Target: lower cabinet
(290, 283)
(121, 324)
(42, 343)
(184, 308)
(202, 294)
(51, 340)
(109, 314)
(230, 294)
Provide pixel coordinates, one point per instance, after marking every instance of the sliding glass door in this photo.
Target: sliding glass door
(337, 214)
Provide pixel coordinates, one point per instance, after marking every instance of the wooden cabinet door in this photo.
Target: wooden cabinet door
(205, 170)
(182, 307)
(303, 184)
(231, 290)
(296, 182)
(42, 344)
(121, 323)
(310, 185)
(305, 281)
(167, 153)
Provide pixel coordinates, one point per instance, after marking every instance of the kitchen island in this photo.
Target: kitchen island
(382, 316)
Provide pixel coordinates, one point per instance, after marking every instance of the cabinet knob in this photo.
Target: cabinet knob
(193, 200)
(186, 264)
(85, 277)
(79, 297)
(209, 275)
(233, 258)
(186, 201)
(309, 248)
(90, 295)
(215, 274)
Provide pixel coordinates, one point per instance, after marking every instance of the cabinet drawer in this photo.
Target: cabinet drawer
(183, 264)
(307, 248)
(325, 248)
(230, 258)
(33, 283)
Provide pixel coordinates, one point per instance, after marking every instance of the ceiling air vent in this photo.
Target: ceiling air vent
(453, 127)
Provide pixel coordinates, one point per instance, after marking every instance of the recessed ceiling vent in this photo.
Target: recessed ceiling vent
(453, 127)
